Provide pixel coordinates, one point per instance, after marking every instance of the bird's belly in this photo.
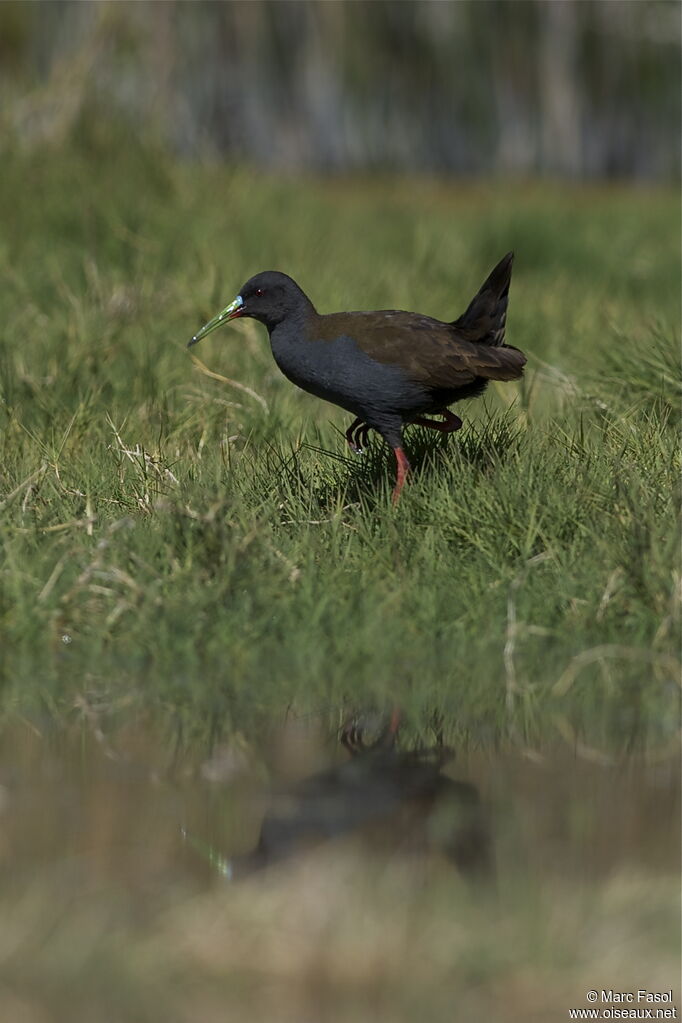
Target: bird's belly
(340, 372)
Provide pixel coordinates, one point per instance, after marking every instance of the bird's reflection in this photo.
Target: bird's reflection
(399, 800)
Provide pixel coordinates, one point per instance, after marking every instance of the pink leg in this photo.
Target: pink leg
(450, 423)
(394, 724)
(402, 469)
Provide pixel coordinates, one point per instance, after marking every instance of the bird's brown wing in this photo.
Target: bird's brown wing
(431, 352)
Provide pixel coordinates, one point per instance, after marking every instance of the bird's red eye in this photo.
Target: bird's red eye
(259, 292)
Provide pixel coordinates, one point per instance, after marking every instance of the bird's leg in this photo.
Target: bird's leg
(450, 423)
(390, 732)
(356, 432)
(394, 723)
(402, 469)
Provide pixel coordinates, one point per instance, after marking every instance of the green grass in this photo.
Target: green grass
(206, 549)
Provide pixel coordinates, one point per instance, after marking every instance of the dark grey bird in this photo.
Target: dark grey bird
(387, 798)
(388, 368)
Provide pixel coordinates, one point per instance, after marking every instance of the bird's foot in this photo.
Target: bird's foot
(382, 732)
(356, 435)
(352, 737)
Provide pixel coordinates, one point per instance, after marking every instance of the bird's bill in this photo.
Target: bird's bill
(230, 312)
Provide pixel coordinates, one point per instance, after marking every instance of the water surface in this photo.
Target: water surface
(292, 880)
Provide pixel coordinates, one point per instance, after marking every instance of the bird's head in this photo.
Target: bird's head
(269, 297)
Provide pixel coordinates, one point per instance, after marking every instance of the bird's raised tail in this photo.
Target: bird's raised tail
(484, 321)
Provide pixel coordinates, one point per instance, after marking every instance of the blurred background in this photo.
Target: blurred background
(577, 89)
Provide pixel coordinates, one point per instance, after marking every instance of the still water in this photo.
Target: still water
(303, 879)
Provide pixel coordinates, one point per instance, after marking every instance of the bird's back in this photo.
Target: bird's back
(429, 351)
(390, 362)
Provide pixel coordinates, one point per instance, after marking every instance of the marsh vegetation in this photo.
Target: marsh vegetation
(194, 568)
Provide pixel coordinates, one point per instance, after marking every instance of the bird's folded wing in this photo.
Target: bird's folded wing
(431, 352)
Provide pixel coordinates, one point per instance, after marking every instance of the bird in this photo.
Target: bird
(396, 800)
(389, 368)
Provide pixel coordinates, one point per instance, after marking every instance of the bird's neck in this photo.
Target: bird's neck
(295, 318)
